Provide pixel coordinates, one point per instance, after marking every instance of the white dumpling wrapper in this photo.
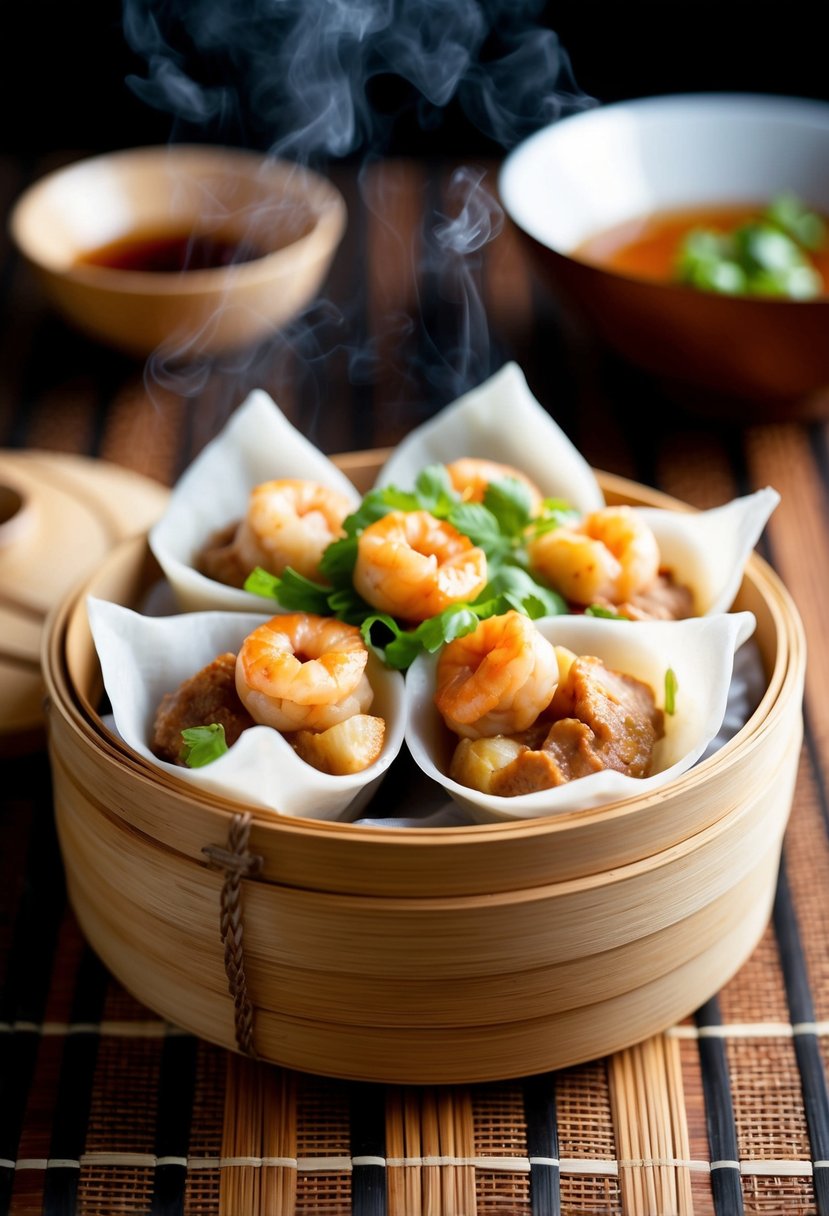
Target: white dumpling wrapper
(700, 651)
(502, 421)
(144, 657)
(258, 444)
(499, 420)
(708, 550)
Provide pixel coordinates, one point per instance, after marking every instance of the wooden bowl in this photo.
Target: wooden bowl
(422, 955)
(293, 218)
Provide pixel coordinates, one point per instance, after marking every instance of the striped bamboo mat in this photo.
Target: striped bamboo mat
(106, 1109)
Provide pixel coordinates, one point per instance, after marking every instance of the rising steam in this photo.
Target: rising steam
(316, 80)
(298, 75)
(454, 253)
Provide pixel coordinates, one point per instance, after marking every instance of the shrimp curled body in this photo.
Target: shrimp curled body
(303, 672)
(470, 477)
(497, 679)
(610, 554)
(413, 566)
(290, 522)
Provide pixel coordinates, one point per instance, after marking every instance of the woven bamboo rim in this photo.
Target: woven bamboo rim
(417, 955)
(437, 1054)
(321, 927)
(316, 951)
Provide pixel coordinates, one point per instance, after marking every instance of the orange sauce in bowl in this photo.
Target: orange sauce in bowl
(647, 247)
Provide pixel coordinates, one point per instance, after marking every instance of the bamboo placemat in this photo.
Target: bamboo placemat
(106, 1109)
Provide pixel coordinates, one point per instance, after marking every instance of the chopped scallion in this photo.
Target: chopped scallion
(671, 687)
(766, 256)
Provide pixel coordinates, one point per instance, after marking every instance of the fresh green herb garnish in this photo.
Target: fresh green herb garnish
(400, 647)
(512, 588)
(510, 502)
(434, 491)
(607, 613)
(767, 256)
(477, 522)
(671, 687)
(554, 513)
(500, 525)
(292, 590)
(804, 226)
(203, 744)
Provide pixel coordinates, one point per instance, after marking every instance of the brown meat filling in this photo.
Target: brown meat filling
(219, 558)
(603, 720)
(207, 697)
(663, 600)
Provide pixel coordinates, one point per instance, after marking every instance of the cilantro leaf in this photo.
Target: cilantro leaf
(260, 582)
(402, 651)
(203, 744)
(300, 594)
(292, 590)
(454, 622)
(338, 560)
(510, 502)
(405, 645)
(345, 604)
(607, 613)
(478, 523)
(398, 651)
(541, 602)
(517, 589)
(370, 509)
(554, 513)
(435, 492)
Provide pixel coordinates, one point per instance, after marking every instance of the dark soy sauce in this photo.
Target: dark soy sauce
(171, 253)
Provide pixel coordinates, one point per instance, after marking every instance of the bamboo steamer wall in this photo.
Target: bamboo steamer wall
(425, 955)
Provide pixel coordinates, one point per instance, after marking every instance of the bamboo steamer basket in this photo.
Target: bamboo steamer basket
(425, 956)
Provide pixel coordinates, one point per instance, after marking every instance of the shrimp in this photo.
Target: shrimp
(303, 672)
(609, 555)
(471, 476)
(497, 679)
(290, 522)
(412, 565)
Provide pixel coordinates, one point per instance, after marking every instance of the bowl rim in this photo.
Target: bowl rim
(684, 104)
(327, 205)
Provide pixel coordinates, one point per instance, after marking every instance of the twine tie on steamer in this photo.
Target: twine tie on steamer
(236, 863)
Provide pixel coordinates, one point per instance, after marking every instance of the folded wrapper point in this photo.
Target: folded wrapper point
(700, 651)
(500, 420)
(258, 444)
(708, 550)
(144, 657)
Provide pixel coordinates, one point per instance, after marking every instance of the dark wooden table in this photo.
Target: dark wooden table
(103, 1108)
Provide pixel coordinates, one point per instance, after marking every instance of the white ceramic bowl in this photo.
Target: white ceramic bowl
(591, 171)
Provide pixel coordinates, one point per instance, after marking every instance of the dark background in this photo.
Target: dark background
(64, 83)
